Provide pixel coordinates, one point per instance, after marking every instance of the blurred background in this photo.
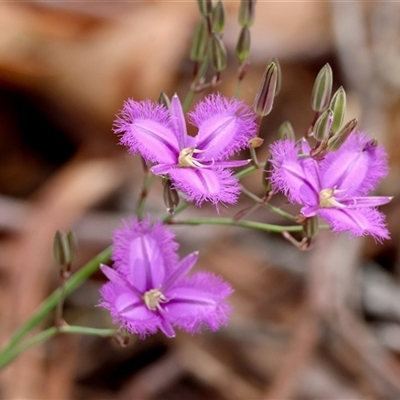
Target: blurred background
(321, 324)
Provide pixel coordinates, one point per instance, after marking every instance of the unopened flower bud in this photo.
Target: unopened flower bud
(286, 131)
(320, 150)
(243, 45)
(256, 142)
(336, 141)
(205, 7)
(199, 41)
(338, 106)
(171, 197)
(265, 96)
(64, 247)
(218, 54)
(323, 125)
(164, 100)
(218, 17)
(266, 176)
(279, 79)
(311, 227)
(322, 89)
(246, 12)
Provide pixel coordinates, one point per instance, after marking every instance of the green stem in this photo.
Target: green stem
(11, 353)
(196, 81)
(248, 171)
(147, 182)
(243, 224)
(262, 203)
(51, 302)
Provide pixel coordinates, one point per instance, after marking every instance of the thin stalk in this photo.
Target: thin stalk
(244, 224)
(238, 88)
(11, 353)
(262, 203)
(147, 182)
(200, 73)
(248, 171)
(51, 302)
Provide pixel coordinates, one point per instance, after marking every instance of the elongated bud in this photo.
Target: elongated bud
(246, 12)
(164, 100)
(64, 247)
(320, 150)
(338, 106)
(205, 7)
(218, 17)
(286, 131)
(198, 50)
(218, 54)
(265, 97)
(323, 125)
(171, 197)
(322, 89)
(336, 141)
(243, 45)
(266, 176)
(279, 79)
(256, 142)
(311, 227)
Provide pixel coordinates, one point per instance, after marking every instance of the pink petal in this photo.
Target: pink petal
(215, 185)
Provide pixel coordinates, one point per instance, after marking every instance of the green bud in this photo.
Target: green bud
(218, 54)
(64, 247)
(266, 176)
(336, 141)
(246, 12)
(164, 100)
(171, 197)
(199, 41)
(338, 106)
(311, 227)
(205, 7)
(286, 131)
(322, 89)
(218, 17)
(323, 125)
(265, 97)
(279, 80)
(243, 45)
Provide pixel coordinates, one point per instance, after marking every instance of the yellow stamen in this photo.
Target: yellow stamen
(186, 159)
(327, 199)
(153, 298)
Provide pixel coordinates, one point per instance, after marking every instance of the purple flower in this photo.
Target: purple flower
(197, 166)
(149, 288)
(336, 187)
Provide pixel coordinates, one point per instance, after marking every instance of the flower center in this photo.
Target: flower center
(327, 199)
(186, 158)
(153, 298)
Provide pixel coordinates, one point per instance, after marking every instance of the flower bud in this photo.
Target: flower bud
(338, 106)
(265, 97)
(218, 53)
(243, 45)
(286, 131)
(336, 141)
(279, 80)
(164, 100)
(218, 17)
(199, 41)
(205, 7)
(171, 197)
(266, 176)
(64, 247)
(256, 142)
(246, 12)
(323, 125)
(322, 89)
(311, 227)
